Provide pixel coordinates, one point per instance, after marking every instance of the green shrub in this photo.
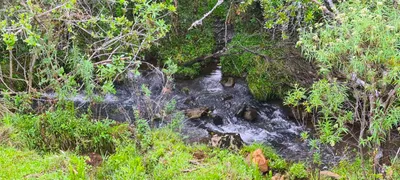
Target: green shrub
(298, 171)
(126, 163)
(62, 130)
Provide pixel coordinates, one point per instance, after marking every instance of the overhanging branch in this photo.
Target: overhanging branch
(200, 21)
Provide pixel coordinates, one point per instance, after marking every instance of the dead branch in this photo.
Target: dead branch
(200, 21)
(218, 54)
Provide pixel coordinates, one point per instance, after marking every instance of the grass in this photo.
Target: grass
(27, 164)
(165, 155)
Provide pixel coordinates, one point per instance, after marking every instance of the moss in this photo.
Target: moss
(190, 72)
(267, 80)
(184, 45)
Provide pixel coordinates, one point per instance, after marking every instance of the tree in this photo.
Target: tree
(358, 57)
(65, 45)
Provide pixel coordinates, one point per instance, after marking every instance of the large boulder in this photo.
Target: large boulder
(218, 120)
(248, 113)
(196, 112)
(228, 82)
(231, 141)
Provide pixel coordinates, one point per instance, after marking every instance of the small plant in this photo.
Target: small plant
(304, 135)
(176, 121)
(298, 171)
(170, 106)
(142, 132)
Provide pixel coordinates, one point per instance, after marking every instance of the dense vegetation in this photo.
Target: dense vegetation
(335, 63)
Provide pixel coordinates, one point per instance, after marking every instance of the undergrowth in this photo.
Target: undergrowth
(141, 153)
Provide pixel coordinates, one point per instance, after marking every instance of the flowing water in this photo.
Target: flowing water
(271, 127)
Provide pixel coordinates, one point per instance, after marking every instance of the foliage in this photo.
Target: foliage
(170, 158)
(363, 49)
(124, 164)
(265, 79)
(22, 164)
(64, 45)
(184, 45)
(286, 15)
(357, 55)
(62, 130)
(298, 171)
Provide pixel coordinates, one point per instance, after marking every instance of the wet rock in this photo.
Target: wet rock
(257, 157)
(248, 113)
(195, 135)
(189, 101)
(227, 97)
(231, 141)
(196, 112)
(218, 120)
(228, 82)
(185, 90)
(329, 174)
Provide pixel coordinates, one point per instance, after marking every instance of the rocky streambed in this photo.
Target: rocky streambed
(212, 104)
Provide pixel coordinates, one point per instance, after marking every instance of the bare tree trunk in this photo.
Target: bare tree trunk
(175, 18)
(11, 64)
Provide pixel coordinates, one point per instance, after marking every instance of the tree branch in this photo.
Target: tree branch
(200, 21)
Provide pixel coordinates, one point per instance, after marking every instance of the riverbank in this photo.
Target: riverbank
(137, 154)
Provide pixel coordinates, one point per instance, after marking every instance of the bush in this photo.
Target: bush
(62, 130)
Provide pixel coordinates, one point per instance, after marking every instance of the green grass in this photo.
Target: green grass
(26, 164)
(165, 155)
(62, 130)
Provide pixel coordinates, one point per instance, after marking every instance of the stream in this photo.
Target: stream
(271, 126)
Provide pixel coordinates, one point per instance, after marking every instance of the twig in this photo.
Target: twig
(395, 158)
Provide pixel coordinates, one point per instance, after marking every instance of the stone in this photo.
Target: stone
(227, 97)
(228, 82)
(330, 174)
(257, 157)
(190, 100)
(196, 112)
(248, 113)
(231, 141)
(217, 120)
